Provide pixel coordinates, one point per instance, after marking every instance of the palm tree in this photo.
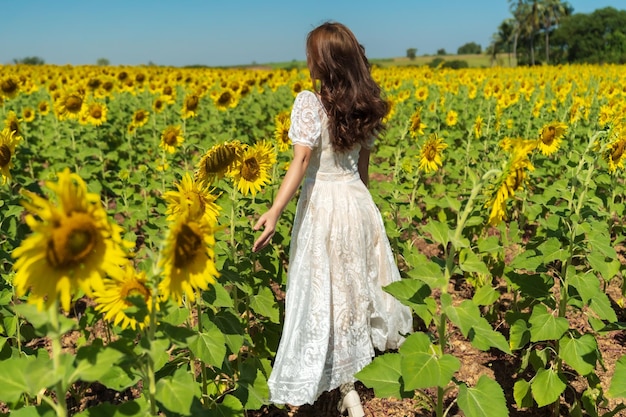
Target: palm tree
(552, 13)
(504, 37)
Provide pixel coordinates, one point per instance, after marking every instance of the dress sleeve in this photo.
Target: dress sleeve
(306, 124)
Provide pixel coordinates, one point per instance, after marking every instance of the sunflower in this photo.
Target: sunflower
(12, 123)
(513, 178)
(550, 137)
(190, 106)
(615, 153)
(73, 245)
(168, 94)
(113, 299)
(281, 134)
(188, 259)
(192, 200)
(158, 105)
(171, 138)
(218, 161)
(140, 118)
(252, 170)
(9, 87)
(478, 127)
(8, 141)
(28, 114)
(95, 114)
(421, 93)
(430, 154)
(452, 118)
(224, 99)
(416, 127)
(69, 105)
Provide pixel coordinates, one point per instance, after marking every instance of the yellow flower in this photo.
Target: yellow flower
(478, 127)
(421, 93)
(69, 105)
(113, 298)
(416, 127)
(12, 123)
(513, 178)
(43, 107)
(190, 106)
(28, 114)
(8, 141)
(9, 87)
(73, 246)
(550, 137)
(281, 133)
(95, 114)
(188, 259)
(218, 161)
(158, 105)
(614, 154)
(140, 118)
(191, 200)
(224, 99)
(252, 170)
(171, 138)
(430, 154)
(452, 118)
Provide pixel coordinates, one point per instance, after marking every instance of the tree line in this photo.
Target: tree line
(548, 31)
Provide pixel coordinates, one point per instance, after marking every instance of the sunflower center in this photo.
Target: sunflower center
(616, 153)
(5, 155)
(72, 241)
(14, 126)
(135, 289)
(224, 98)
(192, 103)
(167, 90)
(251, 169)
(27, 113)
(73, 103)
(170, 137)
(8, 86)
(96, 113)
(548, 135)
(431, 152)
(188, 243)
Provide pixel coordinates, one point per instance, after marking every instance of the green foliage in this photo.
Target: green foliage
(469, 48)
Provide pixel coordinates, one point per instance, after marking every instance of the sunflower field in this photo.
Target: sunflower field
(128, 195)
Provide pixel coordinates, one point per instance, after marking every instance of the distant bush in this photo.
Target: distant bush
(456, 64)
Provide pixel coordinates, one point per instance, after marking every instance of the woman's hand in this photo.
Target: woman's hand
(268, 222)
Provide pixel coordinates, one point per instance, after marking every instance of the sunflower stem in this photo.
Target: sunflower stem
(205, 385)
(55, 340)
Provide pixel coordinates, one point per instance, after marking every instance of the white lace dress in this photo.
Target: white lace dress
(335, 310)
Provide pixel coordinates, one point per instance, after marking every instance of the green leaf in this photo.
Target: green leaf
(522, 395)
(384, 376)
(485, 399)
(601, 305)
(470, 262)
(95, 361)
(485, 296)
(43, 410)
(252, 388)
(544, 326)
(519, 334)
(552, 249)
(177, 392)
(484, 337)
(579, 353)
(617, 389)
(415, 294)
(265, 304)
(438, 231)
(430, 273)
(12, 379)
(587, 285)
(229, 407)
(489, 244)
(547, 386)
(135, 408)
(423, 366)
(608, 268)
(217, 296)
(209, 346)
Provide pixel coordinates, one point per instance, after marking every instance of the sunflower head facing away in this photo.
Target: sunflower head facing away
(431, 154)
(8, 142)
(281, 134)
(218, 162)
(252, 170)
(188, 259)
(72, 246)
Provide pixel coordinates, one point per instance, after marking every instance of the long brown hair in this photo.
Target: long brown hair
(350, 95)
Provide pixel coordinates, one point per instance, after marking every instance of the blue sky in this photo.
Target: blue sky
(235, 32)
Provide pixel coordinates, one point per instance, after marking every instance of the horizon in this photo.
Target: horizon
(243, 32)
